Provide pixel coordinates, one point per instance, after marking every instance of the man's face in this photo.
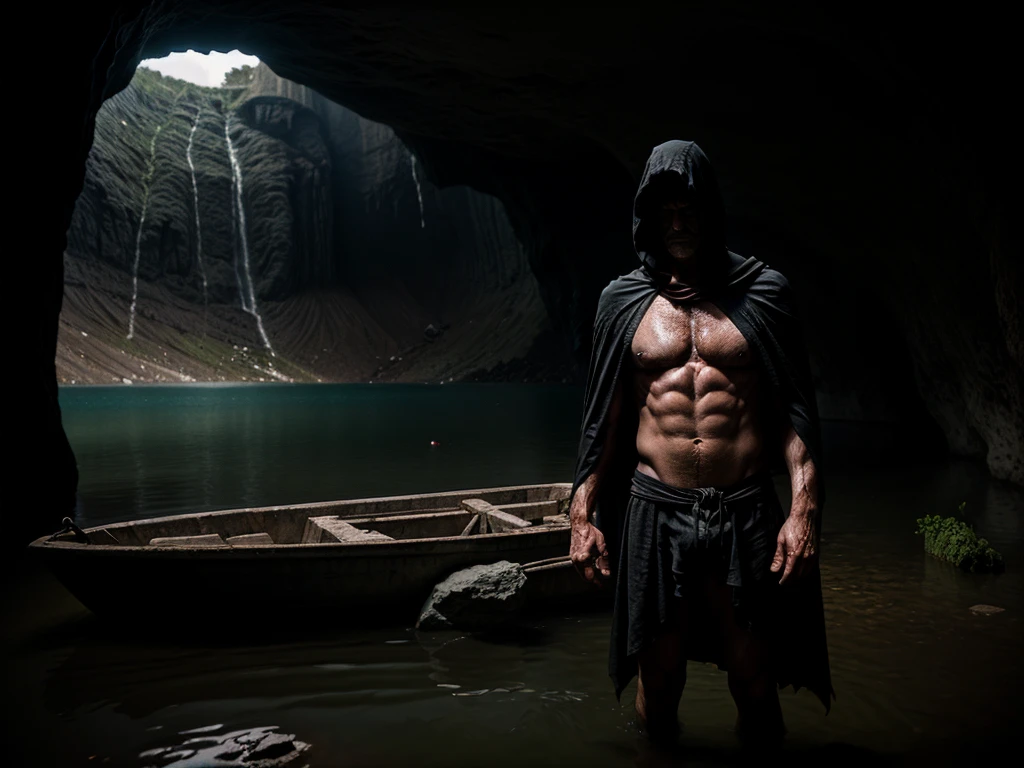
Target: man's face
(680, 229)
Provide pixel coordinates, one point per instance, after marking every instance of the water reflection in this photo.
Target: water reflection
(257, 747)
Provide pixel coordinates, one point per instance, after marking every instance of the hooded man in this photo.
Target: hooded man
(698, 389)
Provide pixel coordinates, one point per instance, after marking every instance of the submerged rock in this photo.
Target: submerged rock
(985, 610)
(475, 598)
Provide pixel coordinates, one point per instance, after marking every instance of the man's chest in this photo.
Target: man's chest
(672, 335)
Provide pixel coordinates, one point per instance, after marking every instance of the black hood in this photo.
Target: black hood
(689, 165)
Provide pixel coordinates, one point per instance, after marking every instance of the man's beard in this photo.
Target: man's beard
(682, 252)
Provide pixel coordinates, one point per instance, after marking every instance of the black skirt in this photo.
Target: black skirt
(673, 537)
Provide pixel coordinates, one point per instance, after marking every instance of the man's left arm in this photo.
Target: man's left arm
(797, 547)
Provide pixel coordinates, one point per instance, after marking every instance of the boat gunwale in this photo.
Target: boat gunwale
(363, 547)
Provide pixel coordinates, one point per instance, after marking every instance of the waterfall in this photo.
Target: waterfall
(238, 210)
(195, 198)
(146, 180)
(419, 192)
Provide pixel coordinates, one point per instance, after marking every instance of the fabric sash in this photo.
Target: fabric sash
(708, 510)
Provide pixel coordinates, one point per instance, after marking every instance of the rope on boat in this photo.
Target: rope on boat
(70, 527)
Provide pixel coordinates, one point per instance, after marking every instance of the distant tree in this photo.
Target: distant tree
(242, 75)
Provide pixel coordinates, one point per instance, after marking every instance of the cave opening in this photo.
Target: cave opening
(252, 230)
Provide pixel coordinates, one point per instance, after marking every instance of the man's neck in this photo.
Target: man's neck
(688, 274)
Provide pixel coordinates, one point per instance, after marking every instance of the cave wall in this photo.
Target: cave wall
(400, 235)
(885, 142)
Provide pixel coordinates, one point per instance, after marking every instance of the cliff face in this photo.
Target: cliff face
(148, 161)
(281, 235)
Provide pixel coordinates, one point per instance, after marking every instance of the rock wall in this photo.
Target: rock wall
(140, 162)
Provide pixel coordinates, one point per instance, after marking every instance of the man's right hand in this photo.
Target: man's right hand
(588, 551)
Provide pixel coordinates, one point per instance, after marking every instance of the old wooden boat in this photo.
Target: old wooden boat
(348, 562)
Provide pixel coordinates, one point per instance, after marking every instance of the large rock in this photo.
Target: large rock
(475, 598)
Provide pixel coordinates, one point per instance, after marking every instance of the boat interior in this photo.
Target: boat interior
(424, 516)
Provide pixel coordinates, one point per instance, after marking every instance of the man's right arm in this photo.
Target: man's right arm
(587, 547)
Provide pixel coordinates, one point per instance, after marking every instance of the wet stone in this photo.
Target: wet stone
(479, 597)
(985, 610)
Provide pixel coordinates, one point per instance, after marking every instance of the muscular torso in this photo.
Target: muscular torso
(696, 383)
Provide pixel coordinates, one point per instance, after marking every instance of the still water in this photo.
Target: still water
(918, 676)
(155, 450)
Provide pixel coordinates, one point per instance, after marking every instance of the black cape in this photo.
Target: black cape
(759, 302)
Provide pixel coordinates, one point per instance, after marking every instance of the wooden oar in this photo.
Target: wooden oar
(552, 563)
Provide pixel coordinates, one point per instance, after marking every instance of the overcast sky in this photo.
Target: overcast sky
(200, 68)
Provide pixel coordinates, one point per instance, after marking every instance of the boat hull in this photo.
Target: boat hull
(236, 587)
(349, 583)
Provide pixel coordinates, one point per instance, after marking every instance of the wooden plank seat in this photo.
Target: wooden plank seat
(532, 510)
(492, 518)
(321, 530)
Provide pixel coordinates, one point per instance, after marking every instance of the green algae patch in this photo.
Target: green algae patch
(954, 541)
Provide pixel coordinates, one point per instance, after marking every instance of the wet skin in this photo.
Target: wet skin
(696, 388)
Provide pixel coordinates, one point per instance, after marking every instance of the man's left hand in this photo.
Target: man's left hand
(797, 546)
